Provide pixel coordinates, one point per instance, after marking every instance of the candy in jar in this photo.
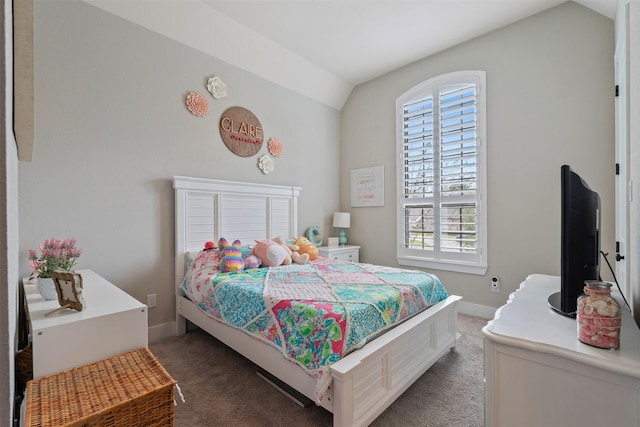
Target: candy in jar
(598, 316)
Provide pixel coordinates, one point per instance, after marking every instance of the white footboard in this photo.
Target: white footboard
(366, 382)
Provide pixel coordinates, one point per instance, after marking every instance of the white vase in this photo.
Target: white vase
(47, 288)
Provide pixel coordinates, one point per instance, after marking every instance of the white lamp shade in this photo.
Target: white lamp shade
(341, 219)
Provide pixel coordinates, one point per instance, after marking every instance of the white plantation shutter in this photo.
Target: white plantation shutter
(442, 220)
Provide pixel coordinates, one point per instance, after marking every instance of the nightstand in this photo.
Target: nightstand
(112, 322)
(343, 253)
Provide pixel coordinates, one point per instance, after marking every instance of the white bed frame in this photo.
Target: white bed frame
(366, 381)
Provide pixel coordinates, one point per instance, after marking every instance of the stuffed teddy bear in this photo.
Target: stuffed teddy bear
(292, 250)
(271, 254)
(306, 247)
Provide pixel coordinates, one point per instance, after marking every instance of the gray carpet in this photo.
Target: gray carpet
(221, 388)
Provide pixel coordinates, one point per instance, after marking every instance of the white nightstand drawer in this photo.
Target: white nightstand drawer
(343, 253)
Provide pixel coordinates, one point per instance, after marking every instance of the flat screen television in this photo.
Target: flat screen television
(580, 240)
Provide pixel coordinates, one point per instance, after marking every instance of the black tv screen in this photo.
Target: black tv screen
(580, 240)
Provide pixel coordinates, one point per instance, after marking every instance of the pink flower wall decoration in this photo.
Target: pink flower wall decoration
(197, 104)
(275, 147)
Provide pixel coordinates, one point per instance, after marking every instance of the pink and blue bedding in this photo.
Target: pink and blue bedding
(313, 313)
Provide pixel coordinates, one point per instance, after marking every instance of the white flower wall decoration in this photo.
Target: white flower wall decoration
(265, 163)
(217, 87)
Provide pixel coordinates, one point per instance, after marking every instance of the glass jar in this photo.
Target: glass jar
(598, 316)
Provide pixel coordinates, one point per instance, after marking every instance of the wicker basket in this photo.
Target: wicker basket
(131, 389)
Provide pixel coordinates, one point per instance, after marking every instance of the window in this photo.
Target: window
(441, 174)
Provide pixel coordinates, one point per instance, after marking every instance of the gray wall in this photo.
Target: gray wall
(9, 276)
(550, 101)
(112, 130)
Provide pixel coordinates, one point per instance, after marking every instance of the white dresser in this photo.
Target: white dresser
(343, 253)
(113, 322)
(538, 374)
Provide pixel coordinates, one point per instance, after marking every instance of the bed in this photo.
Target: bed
(360, 385)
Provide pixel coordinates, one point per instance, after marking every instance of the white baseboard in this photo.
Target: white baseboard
(166, 330)
(472, 309)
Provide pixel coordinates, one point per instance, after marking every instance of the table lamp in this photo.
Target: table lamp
(342, 220)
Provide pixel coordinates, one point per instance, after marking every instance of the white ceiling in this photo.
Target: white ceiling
(359, 40)
(334, 44)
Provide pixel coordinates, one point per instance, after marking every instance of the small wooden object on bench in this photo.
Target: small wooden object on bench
(69, 289)
(131, 389)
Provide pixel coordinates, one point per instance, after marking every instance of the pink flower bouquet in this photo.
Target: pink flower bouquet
(54, 255)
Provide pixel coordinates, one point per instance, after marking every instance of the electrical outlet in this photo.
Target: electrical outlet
(495, 284)
(151, 300)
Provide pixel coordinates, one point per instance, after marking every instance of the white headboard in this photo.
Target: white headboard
(207, 209)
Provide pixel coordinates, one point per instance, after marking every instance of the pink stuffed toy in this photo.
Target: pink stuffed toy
(270, 253)
(251, 261)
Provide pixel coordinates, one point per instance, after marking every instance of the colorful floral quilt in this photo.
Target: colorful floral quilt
(318, 312)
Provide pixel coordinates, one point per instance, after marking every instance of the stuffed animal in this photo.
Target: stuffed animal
(292, 250)
(270, 253)
(230, 256)
(306, 247)
(251, 261)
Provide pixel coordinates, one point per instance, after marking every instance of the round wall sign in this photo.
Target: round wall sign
(241, 131)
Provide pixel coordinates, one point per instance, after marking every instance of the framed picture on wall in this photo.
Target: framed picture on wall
(367, 186)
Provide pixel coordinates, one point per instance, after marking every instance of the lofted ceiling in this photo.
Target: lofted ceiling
(323, 48)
